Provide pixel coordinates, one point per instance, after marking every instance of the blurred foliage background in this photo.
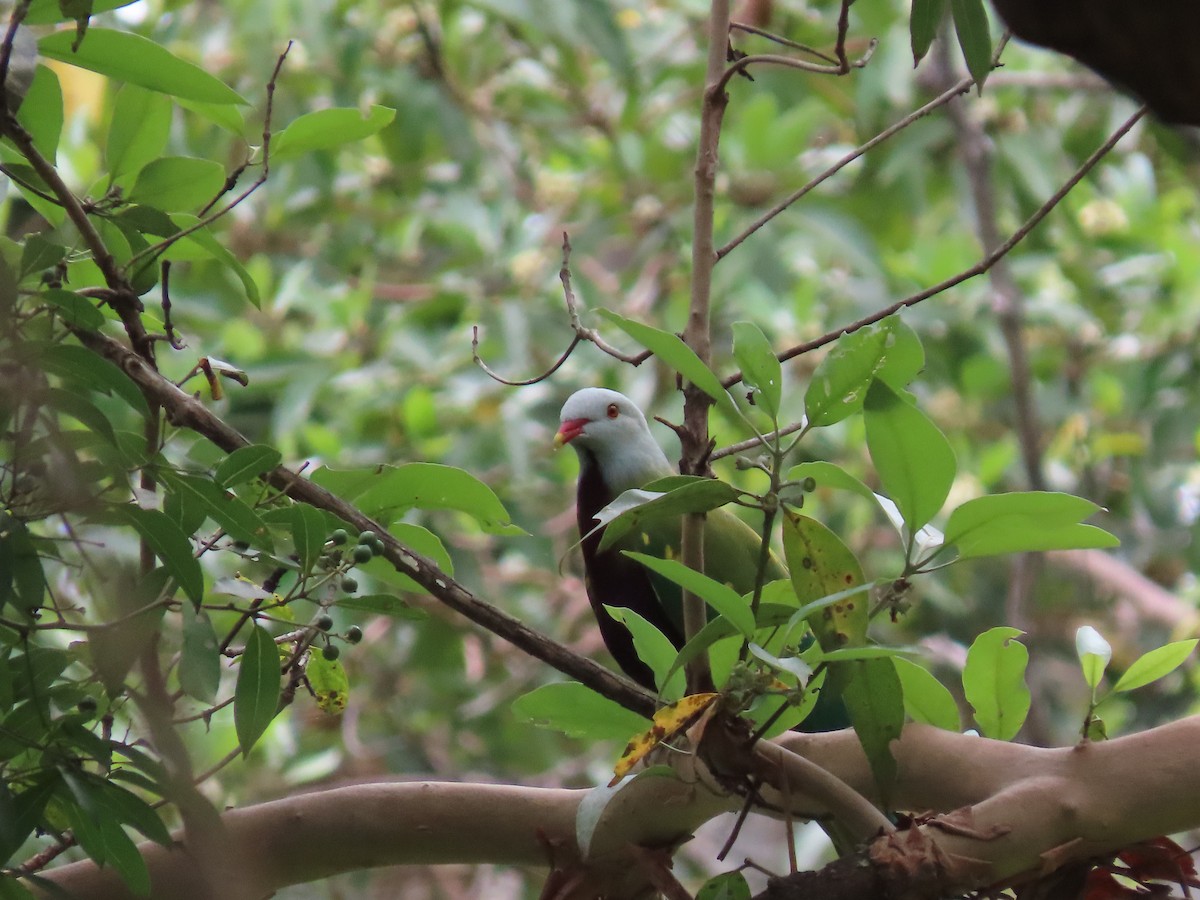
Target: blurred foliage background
(518, 120)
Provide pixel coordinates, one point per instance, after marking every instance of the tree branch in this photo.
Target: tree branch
(186, 411)
(979, 268)
(996, 810)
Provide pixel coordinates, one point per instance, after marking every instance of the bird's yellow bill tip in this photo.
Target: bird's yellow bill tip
(559, 440)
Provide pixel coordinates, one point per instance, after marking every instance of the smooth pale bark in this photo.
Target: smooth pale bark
(1026, 808)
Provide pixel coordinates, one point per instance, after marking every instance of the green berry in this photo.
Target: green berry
(324, 622)
(331, 652)
(366, 537)
(353, 634)
(339, 537)
(363, 553)
(349, 585)
(809, 484)
(377, 546)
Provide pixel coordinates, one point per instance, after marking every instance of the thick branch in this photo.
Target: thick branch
(1016, 809)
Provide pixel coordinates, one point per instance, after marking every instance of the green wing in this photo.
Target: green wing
(731, 552)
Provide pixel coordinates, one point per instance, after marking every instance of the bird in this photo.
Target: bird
(617, 452)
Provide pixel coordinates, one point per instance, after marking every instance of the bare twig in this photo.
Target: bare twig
(791, 62)
(589, 334)
(959, 88)
(779, 39)
(495, 376)
(206, 220)
(582, 333)
(980, 267)
(755, 441)
(843, 28)
(6, 46)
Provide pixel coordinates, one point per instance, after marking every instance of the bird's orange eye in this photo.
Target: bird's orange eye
(613, 412)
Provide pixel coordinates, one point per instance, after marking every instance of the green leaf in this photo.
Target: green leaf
(1026, 521)
(577, 711)
(913, 458)
(994, 682)
(90, 371)
(722, 598)
(245, 464)
(239, 521)
(256, 696)
(200, 659)
(386, 492)
(761, 371)
(1094, 654)
(326, 128)
(328, 680)
(21, 812)
(202, 240)
(38, 256)
(726, 886)
(178, 183)
(671, 350)
(821, 565)
(926, 16)
(926, 699)
(22, 580)
(122, 854)
(827, 474)
(685, 494)
(888, 351)
(874, 699)
(41, 112)
(420, 540)
(74, 310)
(133, 58)
(309, 530)
(654, 649)
(130, 809)
(383, 605)
(1155, 664)
(170, 545)
(48, 12)
(141, 124)
(971, 26)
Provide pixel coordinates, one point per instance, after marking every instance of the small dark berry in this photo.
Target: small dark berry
(353, 634)
(331, 652)
(377, 546)
(349, 585)
(324, 621)
(366, 537)
(809, 484)
(363, 553)
(87, 706)
(241, 546)
(339, 537)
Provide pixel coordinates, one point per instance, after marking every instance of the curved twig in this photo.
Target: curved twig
(793, 63)
(495, 376)
(779, 39)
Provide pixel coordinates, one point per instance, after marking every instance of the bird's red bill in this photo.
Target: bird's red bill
(569, 430)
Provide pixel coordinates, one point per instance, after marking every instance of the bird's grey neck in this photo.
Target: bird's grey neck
(632, 467)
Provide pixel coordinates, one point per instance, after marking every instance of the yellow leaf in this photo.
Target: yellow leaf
(668, 722)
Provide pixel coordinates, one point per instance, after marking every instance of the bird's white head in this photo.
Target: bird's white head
(609, 426)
